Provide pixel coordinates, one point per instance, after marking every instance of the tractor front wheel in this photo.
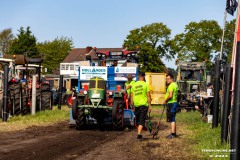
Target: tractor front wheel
(81, 118)
(117, 115)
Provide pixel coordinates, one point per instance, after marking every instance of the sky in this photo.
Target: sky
(104, 23)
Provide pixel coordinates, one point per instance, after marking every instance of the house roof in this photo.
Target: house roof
(79, 54)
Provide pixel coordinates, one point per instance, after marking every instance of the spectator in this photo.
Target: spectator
(128, 84)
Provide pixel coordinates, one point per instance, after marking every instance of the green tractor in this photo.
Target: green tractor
(191, 81)
(96, 105)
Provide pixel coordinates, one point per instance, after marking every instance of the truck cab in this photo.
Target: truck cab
(191, 80)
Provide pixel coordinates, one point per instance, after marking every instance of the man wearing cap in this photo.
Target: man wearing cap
(140, 98)
(128, 85)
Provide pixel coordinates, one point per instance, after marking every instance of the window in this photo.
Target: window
(63, 67)
(72, 67)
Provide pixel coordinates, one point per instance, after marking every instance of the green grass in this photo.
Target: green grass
(200, 135)
(41, 118)
(203, 136)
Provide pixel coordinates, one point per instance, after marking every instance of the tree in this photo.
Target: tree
(198, 42)
(54, 52)
(228, 41)
(6, 37)
(154, 41)
(25, 43)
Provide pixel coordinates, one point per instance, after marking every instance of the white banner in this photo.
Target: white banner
(89, 72)
(122, 72)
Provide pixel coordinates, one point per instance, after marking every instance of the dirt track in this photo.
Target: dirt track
(59, 142)
(52, 142)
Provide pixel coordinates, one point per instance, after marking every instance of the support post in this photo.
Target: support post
(224, 24)
(34, 90)
(60, 92)
(226, 103)
(216, 94)
(5, 98)
(235, 128)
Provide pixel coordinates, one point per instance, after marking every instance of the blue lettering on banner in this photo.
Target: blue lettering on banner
(93, 70)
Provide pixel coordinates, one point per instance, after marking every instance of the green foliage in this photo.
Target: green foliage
(6, 37)
(25, 44)
(228, 41)
(154, 41)
(198, 42)
(54, 52)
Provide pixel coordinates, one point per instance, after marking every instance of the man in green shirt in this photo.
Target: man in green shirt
(128, 85)
(140, 98)
(171, 101)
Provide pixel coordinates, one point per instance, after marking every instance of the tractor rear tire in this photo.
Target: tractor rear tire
(16, 96)
(46, 100)
(25, 107)
(117, 115)
(38, 99)
(1, 108)
(45, 87)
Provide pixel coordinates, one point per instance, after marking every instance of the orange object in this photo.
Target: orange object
(118, 88)
(85, 87)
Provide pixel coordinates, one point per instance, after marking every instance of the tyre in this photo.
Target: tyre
(16, 97)
(38, 99)
(1, 108)
(117, 115)
(45, 87)
(25, 107)
(46, 101)
(81, 118)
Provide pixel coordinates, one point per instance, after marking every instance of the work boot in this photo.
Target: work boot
(172, 135)
(139, 137)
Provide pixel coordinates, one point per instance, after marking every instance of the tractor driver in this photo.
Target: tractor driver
(21, 78)
(140, 98)
(115, 63)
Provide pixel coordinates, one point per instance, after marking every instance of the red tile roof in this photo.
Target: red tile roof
(79, 54)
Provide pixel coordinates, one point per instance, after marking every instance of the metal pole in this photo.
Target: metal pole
(235, 128)
(5, 98)
(60, 92)
(34, 90)
(226, 103)
(79, 83)
(216, 94)
(224, 24)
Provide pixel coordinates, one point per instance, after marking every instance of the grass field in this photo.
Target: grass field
(204, 140)
(42, 118)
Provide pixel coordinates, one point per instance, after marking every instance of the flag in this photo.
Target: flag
(231, 6)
